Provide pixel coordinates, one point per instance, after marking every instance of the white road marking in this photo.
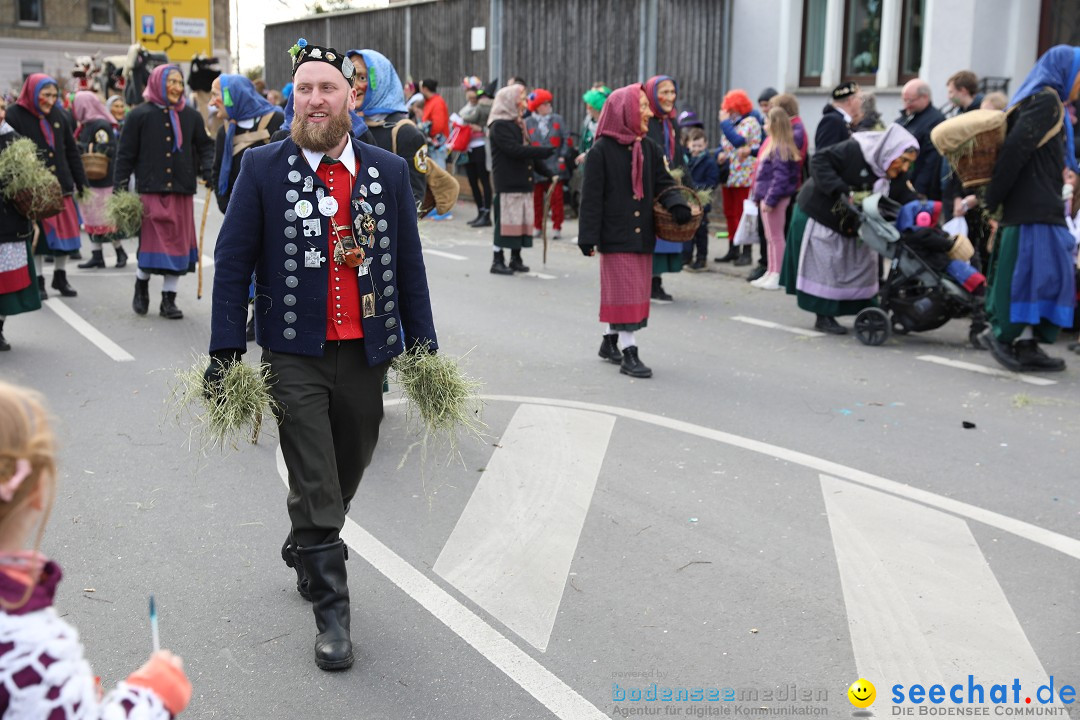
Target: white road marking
(539, 275)
(512, 547)
(534, 678)
(983, 370)
(922, 602)
(776, 326)
(1048, 538)
(88, 331)
(207, 261)
(440, 253)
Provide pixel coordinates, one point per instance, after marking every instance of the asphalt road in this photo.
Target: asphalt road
(772, 513)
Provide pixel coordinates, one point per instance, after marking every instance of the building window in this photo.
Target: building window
(30, 12)
(862, 40)
(29, 67)
(911, 39)
(101, 15)
(1059, 24)
(813, 42)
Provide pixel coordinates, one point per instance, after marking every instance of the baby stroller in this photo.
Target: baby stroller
(913, 296)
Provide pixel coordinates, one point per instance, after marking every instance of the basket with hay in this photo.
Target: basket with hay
(971, 142)
(124, 211)
(27, 183)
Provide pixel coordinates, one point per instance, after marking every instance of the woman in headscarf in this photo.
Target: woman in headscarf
(250, 120)
(513, 161)
(825, 264)
(118, 111)
(617, 219)
(662, 92)
(96, 132)
(381, 101)
(740, 138)
(1032, 286)
(165, 145)
(36, 115)
(18, 292)
(475, 114)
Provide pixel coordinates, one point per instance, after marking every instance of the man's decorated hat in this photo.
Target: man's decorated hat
(303, 52)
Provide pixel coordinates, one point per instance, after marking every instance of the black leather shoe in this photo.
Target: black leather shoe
(1033, 359)
(291, 555)
(324, 566)
(828, 324)
(121, 257)
(658, 290)
(168, 307)
(731, 255)
(516, 265)
(631, 365)
(757, 273)
(609, 349)
(744, 258)
(59, 282)
(1004, 354)
(41, 287)
(95, 261)
(141, 302)
(499, 268)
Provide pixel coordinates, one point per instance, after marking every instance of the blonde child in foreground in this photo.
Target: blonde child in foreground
(42, 670)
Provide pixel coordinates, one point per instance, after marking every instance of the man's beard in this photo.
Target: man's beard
(320, 137)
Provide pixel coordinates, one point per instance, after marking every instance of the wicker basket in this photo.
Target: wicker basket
(664, 224)
(976, 167)
(96, 165)
(46, 203)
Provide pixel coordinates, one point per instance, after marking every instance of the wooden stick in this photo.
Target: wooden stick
(543, 220)
(202, 235)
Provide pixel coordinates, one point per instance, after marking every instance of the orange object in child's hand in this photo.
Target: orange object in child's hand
(164, 674)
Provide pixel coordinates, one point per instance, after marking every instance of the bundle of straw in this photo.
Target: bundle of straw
(124, 211)
(438, 391)
(25, 179)
(235, 413)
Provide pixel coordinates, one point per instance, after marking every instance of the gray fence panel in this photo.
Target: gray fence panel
(690, 48)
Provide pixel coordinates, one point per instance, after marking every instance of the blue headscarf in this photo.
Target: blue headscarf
(1056, 69)
(359, 127)
(385, 93)
(242, 102)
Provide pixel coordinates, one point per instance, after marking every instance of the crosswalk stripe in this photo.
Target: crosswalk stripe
(440, 253)
(983, 370)
(88, 331)
(923, 604)
(776, 326)
(512, 547)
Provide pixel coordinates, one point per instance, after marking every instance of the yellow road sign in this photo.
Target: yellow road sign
(179, 28)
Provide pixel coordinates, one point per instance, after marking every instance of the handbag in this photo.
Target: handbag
(747, 232)
(460, 137)
(442, 187)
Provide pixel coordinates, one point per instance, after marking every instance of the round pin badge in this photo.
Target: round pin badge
(376, 188)
(294, 176)
(292, 196)
(373, 172)
(292, 159)
(380, 209)
(303, 208)
(328, 206)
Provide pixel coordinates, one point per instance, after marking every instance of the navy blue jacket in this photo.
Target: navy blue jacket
(831, 129)
(262, 233)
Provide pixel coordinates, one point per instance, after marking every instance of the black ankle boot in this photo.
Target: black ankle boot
(745, 256)
(168, 307)
(516, 264)
(609, 349)
(291, 555)
(1033, 359)
(141, 302)
(484, 220)
(324, 566)
(732, 253)
(658, 290)
(828, 324)
(480, 212)
(3, 343)
(498, 264)
(633, 366)
(59, 282)
(121, 257)
(41, 287)
(95, 261)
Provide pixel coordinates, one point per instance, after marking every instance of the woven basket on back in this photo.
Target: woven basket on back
(664, 224)
(971, 142)
(96, 165)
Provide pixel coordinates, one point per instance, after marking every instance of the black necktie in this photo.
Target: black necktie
(327, 160)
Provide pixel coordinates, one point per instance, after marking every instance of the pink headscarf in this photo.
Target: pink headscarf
(155, 92)
(88, 106)
(505, 107)
(620, 120)
(880, 149)
(28, 99)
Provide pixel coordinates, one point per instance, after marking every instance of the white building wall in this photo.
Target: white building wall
(755, 46)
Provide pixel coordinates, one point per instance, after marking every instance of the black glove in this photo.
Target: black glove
(220, 362)
(849, 217)
(588, 250)
(681, 214)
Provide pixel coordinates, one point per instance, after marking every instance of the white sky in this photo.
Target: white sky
(250, 16)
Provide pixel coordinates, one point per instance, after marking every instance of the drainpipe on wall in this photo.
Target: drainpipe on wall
(495, 42)
(725, 57)
(408, 43)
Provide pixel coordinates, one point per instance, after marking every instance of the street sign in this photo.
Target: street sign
(178, 28)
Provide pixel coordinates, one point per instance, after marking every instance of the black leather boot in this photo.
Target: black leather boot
(41, 287)
(95, 261)
(121, 257)
(168, 307)
(484, 220)
(1033, 359)
(59, 282)
(291, 555)
(658, 290)
(516, 264)
(632, 365)
(324, 566)
(745, 256)
(498, 265)
(609, 349)
(3, 342)
(141, 302)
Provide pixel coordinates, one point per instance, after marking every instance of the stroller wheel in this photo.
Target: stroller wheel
(872, 326)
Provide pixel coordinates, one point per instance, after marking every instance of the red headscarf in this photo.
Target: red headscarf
(156, 93)
(28, 99)
(620, 120)
(738, 102)
(652, 91)
(88, 106)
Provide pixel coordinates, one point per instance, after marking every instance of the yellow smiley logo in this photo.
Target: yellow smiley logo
(862, 693)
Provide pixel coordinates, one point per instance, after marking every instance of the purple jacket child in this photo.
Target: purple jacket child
(776, 179)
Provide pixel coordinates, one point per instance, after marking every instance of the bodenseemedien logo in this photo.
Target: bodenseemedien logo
(862, 693)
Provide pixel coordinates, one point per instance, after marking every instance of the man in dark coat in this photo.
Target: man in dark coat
(919, 118)
(328, 226)
(839, 116)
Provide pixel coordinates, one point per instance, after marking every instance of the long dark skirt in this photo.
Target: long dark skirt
(625, 286)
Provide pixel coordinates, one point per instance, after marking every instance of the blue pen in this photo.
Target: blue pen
(153, 624)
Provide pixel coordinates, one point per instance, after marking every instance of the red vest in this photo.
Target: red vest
(343, 318)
